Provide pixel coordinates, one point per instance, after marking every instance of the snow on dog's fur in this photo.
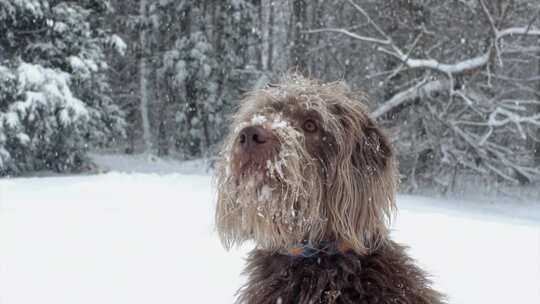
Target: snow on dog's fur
(332, 181)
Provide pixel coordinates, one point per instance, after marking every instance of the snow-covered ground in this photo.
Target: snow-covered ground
(147, 238)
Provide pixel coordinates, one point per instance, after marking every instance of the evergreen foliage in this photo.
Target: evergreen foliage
(54, 94)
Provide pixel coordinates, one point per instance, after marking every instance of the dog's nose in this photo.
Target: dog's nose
(253, 137)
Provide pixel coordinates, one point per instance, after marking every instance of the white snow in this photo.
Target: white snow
(46, 85)
(148, 238)
(31, 74)
(11, 119)
(279, 124)
(76, 63)
(265, 194)
(23, 138)
(114, 238)
(258, 120)
(119, 44)
(465, 65)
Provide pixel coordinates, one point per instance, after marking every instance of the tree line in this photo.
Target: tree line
(455, 83)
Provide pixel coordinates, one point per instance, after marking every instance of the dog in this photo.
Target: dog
(308, 176)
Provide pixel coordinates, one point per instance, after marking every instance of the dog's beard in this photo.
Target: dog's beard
(275, 204)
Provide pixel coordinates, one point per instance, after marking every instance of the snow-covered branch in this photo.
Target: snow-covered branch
(449, 70)
(433, 64)
(527, 31)
(483, 102)
(454, 68)
(349, 34)
(423, 88)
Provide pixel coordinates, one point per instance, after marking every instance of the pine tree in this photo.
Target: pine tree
(54, 93)
(204, 67)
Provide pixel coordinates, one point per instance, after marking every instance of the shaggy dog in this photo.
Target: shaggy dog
(311, 179)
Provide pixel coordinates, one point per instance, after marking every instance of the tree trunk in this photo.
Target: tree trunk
(317, 21)
(162, 97)
(143, 74)
(299, 47)
(537, 145)
(260, 25)
(270, 38)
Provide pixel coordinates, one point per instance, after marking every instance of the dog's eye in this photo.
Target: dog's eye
(309, 126)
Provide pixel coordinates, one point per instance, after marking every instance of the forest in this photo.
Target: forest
(456, 84)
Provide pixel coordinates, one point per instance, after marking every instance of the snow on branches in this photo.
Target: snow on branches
(459, 110)
(54, 101)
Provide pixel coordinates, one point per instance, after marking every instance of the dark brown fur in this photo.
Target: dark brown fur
(387, 275)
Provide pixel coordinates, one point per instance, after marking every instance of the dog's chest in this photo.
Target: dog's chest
(335, 279)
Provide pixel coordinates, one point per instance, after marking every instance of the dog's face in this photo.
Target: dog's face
(304, 163)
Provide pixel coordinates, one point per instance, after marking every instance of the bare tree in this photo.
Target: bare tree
(144, 80)
(469, 106)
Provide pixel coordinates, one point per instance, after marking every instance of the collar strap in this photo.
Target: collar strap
(309, 250)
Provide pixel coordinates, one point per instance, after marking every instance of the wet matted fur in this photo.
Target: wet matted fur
(305, 165)
(386, 275)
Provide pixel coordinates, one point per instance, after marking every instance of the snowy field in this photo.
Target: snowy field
(148, 238)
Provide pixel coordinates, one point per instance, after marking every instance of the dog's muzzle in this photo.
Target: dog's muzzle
(254, 146)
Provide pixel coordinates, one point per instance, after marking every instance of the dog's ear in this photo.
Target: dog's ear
(364, 183)
(372, 150)
(364, 142)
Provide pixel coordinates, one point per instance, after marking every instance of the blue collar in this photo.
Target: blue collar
(308, 250)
